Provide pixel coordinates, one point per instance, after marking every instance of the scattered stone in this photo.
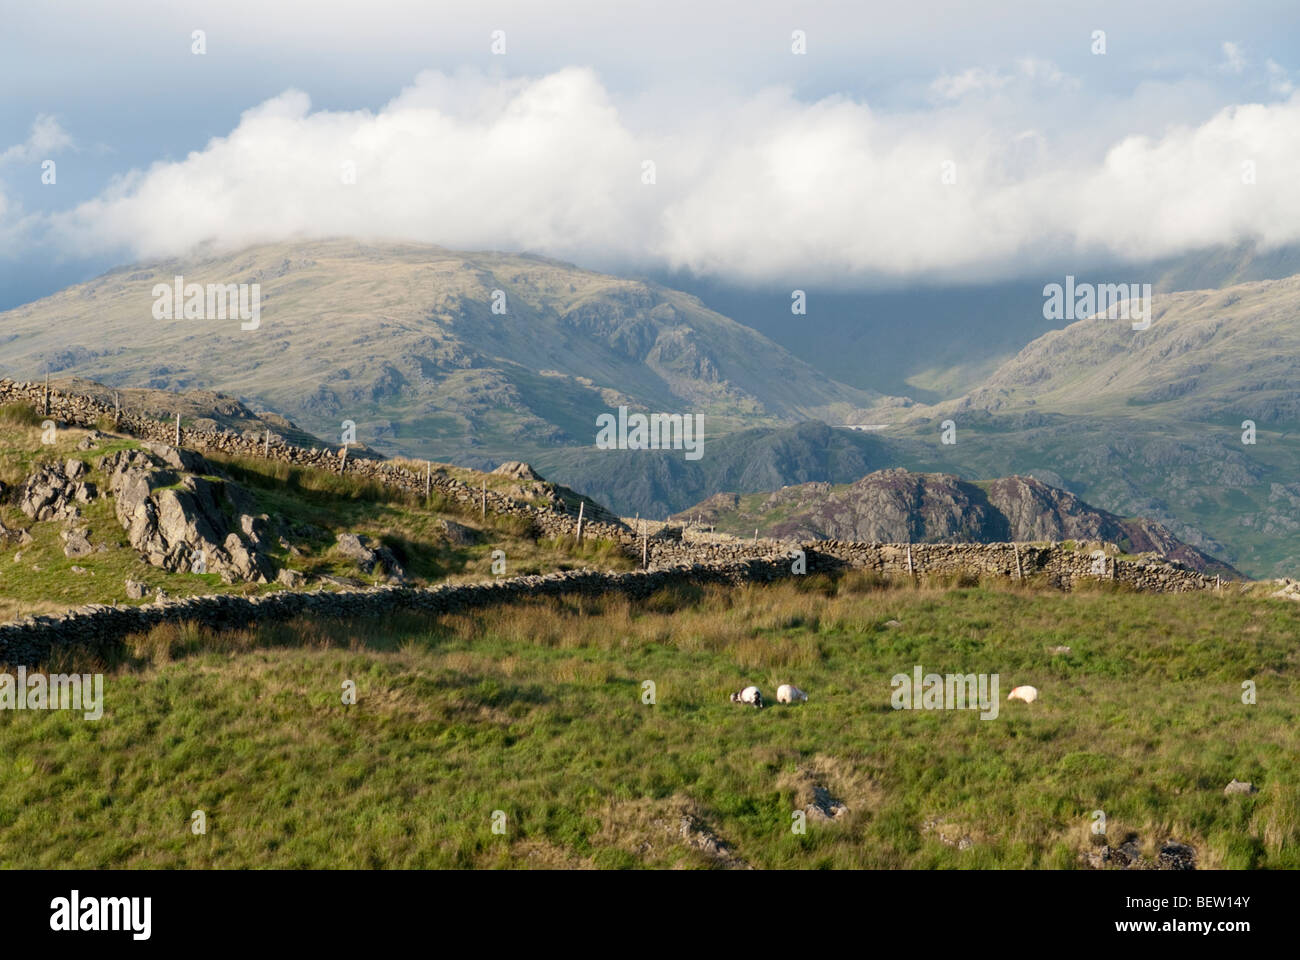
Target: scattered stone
(824, 806)
(76, 569)
(1238, 786)
(1128, 856)
(136, 589)
(1176, 856)
(948, 834)
(1058, 651)
(893, 623)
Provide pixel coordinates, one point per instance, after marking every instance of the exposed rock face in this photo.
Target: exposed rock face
(896, 506)
(53, 491)
(182, 522)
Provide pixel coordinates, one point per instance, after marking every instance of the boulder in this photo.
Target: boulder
(289, 578)
(459, 534)
(136, 589)
(1237, 786)
(76, 542)
(366, 554)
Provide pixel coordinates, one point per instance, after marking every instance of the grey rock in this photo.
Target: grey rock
(361, 550)
(1238, 786)
(459, 534)
(136, 589)
(76, 542)
(289, 578)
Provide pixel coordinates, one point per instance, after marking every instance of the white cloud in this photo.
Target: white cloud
(1234, 58)
(1279, 79)
(46, 138)
(759, 188)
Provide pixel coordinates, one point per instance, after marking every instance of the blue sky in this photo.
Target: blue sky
(828, 164)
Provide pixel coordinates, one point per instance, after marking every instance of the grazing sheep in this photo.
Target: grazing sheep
(788, 693)
(1027, 694)
(751, 695)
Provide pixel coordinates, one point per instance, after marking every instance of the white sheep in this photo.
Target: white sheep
(1027, 694)
(751, 695)
(788, 693)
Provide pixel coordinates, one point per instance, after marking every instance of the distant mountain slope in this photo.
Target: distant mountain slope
(656, 483)
(403, 339)
(896, 506)
(1209, 355)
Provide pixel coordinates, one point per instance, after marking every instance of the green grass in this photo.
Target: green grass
(535, 709)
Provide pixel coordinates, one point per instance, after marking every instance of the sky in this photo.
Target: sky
(925, 143)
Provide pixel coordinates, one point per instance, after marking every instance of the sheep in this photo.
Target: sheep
(1027, 694)
(788, 693)
(751, 695)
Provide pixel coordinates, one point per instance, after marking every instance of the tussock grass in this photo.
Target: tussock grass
(535, 708)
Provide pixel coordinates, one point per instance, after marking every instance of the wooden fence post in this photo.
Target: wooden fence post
(483, 501)
(178, 428)
(645, 547)
(343, 458)
(266, 446)
(909, 559)
(581, 506)
(428, 472)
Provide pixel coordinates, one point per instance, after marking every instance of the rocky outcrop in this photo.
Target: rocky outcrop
(896, 505)
(181, 520)
(53, 491)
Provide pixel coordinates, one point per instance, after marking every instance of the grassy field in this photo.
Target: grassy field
(536, 710)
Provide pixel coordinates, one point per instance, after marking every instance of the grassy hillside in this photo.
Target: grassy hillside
(536, 710)
(308, 509)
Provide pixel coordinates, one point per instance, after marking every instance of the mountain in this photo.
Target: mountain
(1208, 356)
(1138, 423)
(895, 506)
(937, 341)
(655, 483)
(431, 352)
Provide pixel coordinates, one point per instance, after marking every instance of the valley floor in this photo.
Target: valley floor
(532, 717)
